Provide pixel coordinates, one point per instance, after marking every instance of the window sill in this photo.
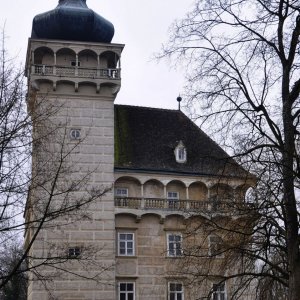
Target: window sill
(175, 257)
(126, 256)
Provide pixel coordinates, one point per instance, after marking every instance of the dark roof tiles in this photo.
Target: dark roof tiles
(145, 139)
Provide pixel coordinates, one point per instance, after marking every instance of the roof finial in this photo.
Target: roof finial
(179, 100)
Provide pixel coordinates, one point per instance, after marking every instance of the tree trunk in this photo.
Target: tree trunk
(294, 281)
(290, 206)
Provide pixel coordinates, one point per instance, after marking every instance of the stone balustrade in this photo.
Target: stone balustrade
(63, 71)
(179, 205)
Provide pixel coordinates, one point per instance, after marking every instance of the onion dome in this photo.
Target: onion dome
(72, 20)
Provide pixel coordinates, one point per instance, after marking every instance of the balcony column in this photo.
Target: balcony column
(142, 196)
(76, 66)
(165, 197)
(208, 199)
(32, 63)
(118, 69)
(187, 199)
(54, 67)
(32, 57)
(98, 66)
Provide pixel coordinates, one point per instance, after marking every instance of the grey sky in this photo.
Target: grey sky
(139, 24)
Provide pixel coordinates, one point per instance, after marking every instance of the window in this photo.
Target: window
(173, 198)
(219, 292)
(75, 134)
(121, 192)
(74, 252)
(126, 291)
(180, 153)
(125, 244)
(174, 244)
(215, 246)
(175, 291)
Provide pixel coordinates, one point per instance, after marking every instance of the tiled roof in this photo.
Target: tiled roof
(145, 140)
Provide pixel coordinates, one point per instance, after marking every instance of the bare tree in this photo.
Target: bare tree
(16, 289)
(36, 182)
(243, 83)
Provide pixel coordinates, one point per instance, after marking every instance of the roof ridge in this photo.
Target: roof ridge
(148, 107)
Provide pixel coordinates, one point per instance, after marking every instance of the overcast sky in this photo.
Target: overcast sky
(139, 24)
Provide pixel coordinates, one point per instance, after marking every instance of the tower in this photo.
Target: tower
(74, 75)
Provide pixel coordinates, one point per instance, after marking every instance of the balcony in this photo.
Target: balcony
(63, 71)
(190, 206)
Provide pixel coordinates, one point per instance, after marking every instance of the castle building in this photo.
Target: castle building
(161, 175)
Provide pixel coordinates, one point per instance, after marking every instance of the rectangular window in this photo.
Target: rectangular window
(175, 291)
(121, 192)
(74, 252)
(215, 246)
(121, 195)
(173, 198)
(181, 152)
(125, 244)
(219, 292)
(126, 291)
(174, 244)
(173, 195)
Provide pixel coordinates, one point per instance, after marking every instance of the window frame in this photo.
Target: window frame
(121, 189)
(126, 292)
(173, 198)
(180, 153)
(174, 250)
(175, 292)
(218, 292)
(173, 201)
(76, 252)
(126, 243)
